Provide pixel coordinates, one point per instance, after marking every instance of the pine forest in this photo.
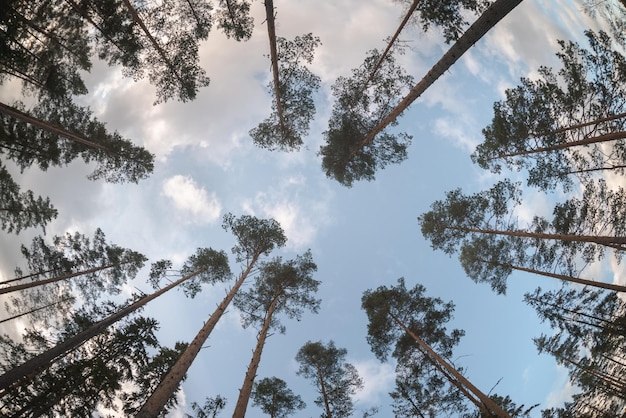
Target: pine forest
(273, 208)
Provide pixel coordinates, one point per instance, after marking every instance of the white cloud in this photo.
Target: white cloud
(194, 202)
(377, 379)
(457, 130)
(562, 390)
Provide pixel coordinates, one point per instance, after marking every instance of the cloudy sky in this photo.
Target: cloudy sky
(361, 237)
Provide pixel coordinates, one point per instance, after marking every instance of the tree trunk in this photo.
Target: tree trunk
(490, 407)
(613, 136)
(170, 382)
(580, 125)
(57, 130)
(56, 279)
(33, 366)
(477, 30)
(324, 394)
(408, 15)
(28, 276)
(566, 278)
(246, 389)
(608, 241)
(88, 18)
(34, 310)
(153, 41)
(271, 31)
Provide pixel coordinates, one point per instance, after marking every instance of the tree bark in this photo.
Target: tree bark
(33, 366)
(324, 394)
(271, 31)
(613, 136)
(496, 12)
(408, 15)
(57, 130)
(55, 279)
(490, 406)
(612, 242)
(564, 277)
(246, 389)
(155, 403)
(34, 310)
(153, 41)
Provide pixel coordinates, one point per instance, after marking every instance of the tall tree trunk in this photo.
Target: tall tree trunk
(36, 283)
(613, 136)
(490, 407)
(155, 44)
(563, 277)
(580, 125)
(28, 276)
(154, 404)
(33, 366)
(271, 31)
(88, 18)
(477, 30)
(246, 388)
(57, 130)
(408, 15)
(608, 241)
(34, 310)
(324, 394)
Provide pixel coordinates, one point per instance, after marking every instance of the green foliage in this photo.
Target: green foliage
(508, 405)
(358, 108)
(21, 210)
(211, 408)
(117, 159)
(420, 385)
(254, 236)
(212, 266)
(275, 399)
(336, 381)
(289, 284)
(290, 119)
(234, 19)
(449, 16)
(483, 230)
(100, 373)
(563, 123)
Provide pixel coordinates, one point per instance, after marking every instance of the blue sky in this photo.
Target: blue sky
(361, 237)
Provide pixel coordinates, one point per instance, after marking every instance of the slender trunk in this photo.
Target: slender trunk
(31, 367)
(564, 277)
(246, 389)
(54, 38)
(55, 279)
(34, 310)
(231, 14)
(581, 125)
(154, 404)
(324, 394)
(613, 136)
(15, 72)
(271, 31)
(57, 130)
(591, 170)
(608, 241)
(610, 381)
(477, 30)
(489, 406)
(153, 41)
(28, 276)
(455, 382)
(408, 15)
(88, 18)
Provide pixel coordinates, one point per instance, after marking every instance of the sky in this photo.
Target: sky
(360, 238)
